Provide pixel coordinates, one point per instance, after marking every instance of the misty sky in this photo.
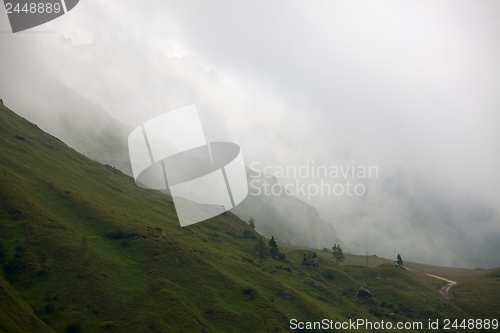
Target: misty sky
(411, 87)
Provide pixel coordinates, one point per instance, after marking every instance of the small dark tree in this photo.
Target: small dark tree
(399, 262)
(337, 253)
(273, 248)
(251, 222)
(261, 251)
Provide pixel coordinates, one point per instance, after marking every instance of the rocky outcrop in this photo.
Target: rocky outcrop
(362, 293)
(287, 295)
(310, 259)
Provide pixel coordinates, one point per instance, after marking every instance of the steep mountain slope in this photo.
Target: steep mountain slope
(415, 217)
(79, 122)
(89, 129)
(287, 218)
(15, 314)
(84, 247)
(86, 242)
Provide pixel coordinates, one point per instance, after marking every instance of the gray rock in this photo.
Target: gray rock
(362, 292)
(287, 295)
(310, 259)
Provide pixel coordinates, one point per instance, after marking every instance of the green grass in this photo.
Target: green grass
(91, 255)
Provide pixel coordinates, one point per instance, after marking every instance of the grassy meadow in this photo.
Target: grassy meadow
(83, 249)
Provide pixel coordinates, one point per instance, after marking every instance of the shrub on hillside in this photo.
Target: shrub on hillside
(248, 260)
(50, 308)
(250, 292)
(13, 268)
(248, 234)
(118, 234)
(74, 328)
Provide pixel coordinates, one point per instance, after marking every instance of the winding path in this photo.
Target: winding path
(444, 289)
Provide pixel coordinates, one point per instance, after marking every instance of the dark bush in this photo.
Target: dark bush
(50, 308)
(13, 268)
(248, 234)
(43, 272)
(427, 313)
(288, 269)
(74, 328)
(250, 292)
(118, 234)
(250, 261)
(281, 256)
(19, 137)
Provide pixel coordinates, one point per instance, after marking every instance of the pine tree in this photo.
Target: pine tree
(251, 222)
(400, 260)
(261, 250)
(273, 248)
(337, 253)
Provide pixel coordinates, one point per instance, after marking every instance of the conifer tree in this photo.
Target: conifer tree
(400, 260)
(337, 253)
(273, 248)
(261, 250)
(251, 222)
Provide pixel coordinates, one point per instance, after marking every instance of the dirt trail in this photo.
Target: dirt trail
(444, 289)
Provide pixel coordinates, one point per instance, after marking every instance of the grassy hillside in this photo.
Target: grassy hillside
(59, 110)
(85, 250)
(89, 129)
